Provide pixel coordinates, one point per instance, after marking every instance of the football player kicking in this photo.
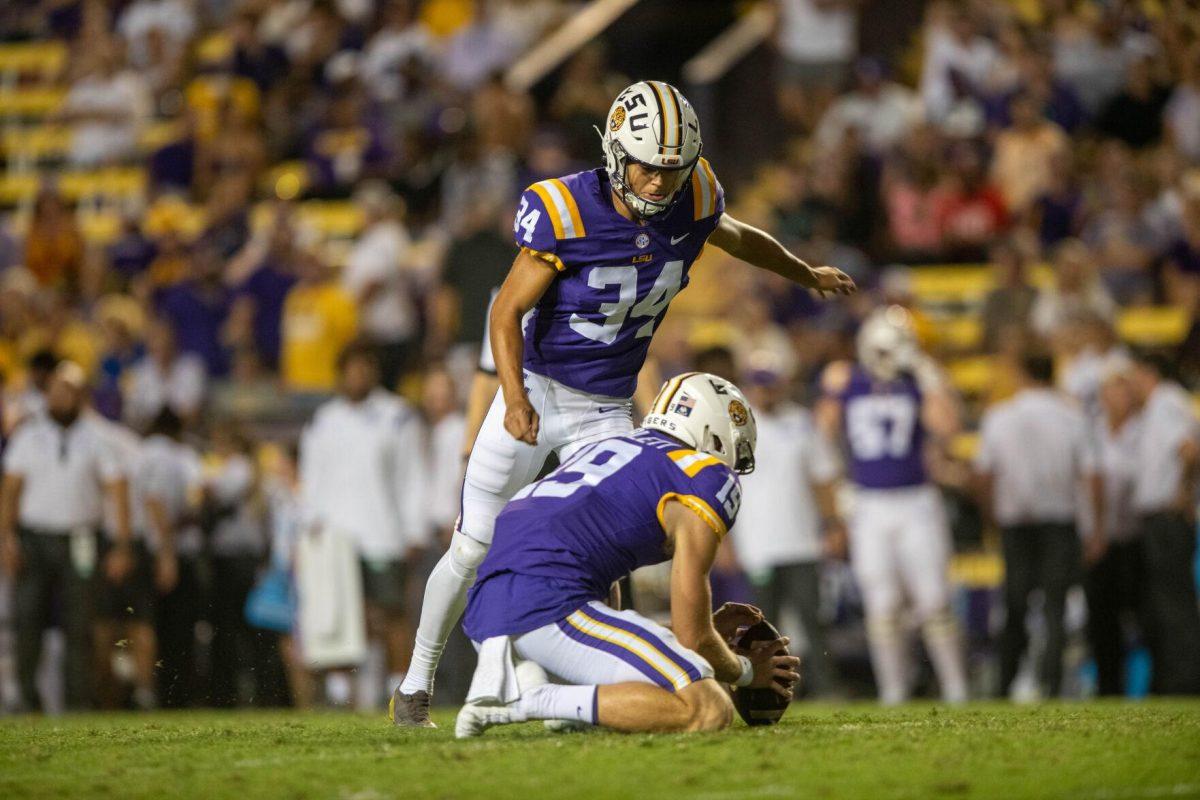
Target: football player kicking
(667, 490)
(602, 254)
(886, 407)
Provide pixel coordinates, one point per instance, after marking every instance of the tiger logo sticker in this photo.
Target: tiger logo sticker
(738, 412)
(617, 119)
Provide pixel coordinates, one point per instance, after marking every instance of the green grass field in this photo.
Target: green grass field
(1095, 750)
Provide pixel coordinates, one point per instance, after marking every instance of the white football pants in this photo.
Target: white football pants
(900, 552)
(499, 466)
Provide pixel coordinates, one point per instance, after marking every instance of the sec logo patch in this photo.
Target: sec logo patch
(642, 240)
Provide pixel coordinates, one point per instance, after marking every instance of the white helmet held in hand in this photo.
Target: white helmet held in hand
(650, 123)
(709, 414)
(887, 343)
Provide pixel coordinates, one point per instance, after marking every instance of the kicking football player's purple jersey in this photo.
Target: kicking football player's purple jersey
(884, 435)
(563, 540)
(591, 329)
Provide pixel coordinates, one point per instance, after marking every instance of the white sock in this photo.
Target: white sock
(577, 703)
(940, 632)
(888, 659)
(445, 599)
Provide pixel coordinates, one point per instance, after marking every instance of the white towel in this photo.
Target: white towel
(495, 682)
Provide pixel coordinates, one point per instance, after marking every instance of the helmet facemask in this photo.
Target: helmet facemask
(617, 161)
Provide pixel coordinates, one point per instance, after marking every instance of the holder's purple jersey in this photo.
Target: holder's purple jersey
(563, 540)
(884, 435)
(592, 328)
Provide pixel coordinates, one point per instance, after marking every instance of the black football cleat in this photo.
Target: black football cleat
(410, 710)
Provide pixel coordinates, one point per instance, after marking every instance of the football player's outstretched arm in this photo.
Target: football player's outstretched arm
(691, 607)
(762, 250)
(527, 281)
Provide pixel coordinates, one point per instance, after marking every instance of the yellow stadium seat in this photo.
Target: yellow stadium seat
(287, 180)
(977, 570)
(36, 142)
(31, 102)
(972, 376)
(964, 283)
(959, 333)
(1158, 326)
(120, 183)
(43, 59)
(336, 219)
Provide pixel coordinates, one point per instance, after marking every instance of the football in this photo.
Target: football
(759, 706)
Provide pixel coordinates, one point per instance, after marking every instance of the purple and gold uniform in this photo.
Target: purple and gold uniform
(563, 541)
(592, 328)
(884, 433)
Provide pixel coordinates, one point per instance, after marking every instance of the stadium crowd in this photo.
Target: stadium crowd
(235, 227)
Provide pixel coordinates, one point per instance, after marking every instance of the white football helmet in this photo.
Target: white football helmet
(709, 414)
(887, 343)
(651, 123)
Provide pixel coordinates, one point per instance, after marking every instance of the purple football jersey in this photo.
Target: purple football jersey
(884, 435)
(592, 328)
(563, 540)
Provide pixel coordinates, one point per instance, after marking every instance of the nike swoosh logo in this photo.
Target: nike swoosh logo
(675, 240)
(606, 409)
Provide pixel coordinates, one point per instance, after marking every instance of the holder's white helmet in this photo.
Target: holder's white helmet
(709, 414)
(652, 124)
(887, 343)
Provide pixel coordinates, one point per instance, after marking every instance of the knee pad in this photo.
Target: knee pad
(466, 554)
(939, 621)
(884, 626)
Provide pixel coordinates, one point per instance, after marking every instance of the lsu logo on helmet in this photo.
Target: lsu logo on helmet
(617, 119)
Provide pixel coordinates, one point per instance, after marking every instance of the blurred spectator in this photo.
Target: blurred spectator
(1034, 451)
(1009, 303)
(503, 117)
(1122, 242)
(57, 469)
(911, 195)
(817, 40)
(1181, 117)
(1093, 52)
(227, 164)
(400, 39)
(1024, 154)
(236, 523)
(1057, 212)
(263, 273)
(1181, 273)
(475, 175)
(1077, 289)
(970, 211)
(164, 378)
(197, 309)
(54, 246)
(1116, 583)
(444, 418)
(881, 110)
(1135, 115)
(141, 20)
(1167, 469)
(106, 106)
(477, 49)
(476, 262)
(583, 97)
(376, 277)
(1088, 347)
(347, 145)
(131, 253)
(362, 473)
(319, 320)
(789, 518)
(958, 60)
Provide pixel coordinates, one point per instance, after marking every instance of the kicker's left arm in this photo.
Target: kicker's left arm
(762, 250)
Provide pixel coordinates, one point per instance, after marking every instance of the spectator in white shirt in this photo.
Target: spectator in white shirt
(376, 276)
(1167, 462)
(1077, 291)
(362, 473)
(173, 19)
(1035, 452)
(57, 469)
(164, 378)
(882, 111)
(106, 107)
(817, 40)
(385, 58)
(447, 426)
(789, 518)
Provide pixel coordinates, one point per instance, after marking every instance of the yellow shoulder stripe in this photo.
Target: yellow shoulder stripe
(562, 208)
(549, 258)
(704, 190)
(697, 505)
(691, 462)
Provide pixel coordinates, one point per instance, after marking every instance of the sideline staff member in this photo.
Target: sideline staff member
(57, 468)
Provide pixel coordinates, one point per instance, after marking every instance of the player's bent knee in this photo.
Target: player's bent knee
(466, 554)
(709, 706)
